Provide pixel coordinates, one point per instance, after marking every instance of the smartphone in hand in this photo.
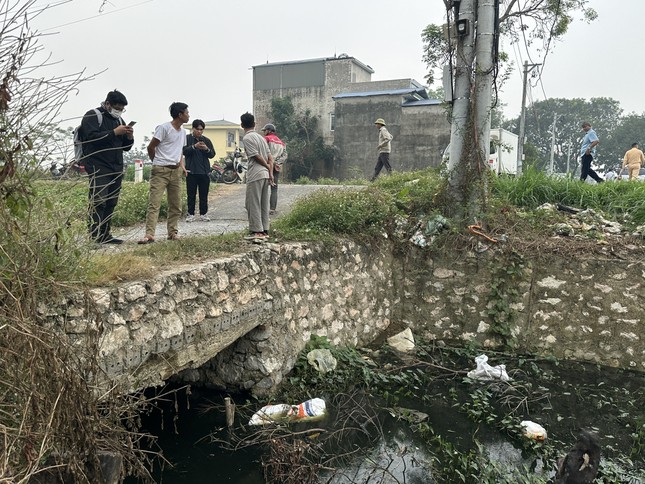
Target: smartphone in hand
(132, 123)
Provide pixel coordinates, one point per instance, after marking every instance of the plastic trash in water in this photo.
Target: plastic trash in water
(533, 431)
(310, 410)
(486, 372)
(270, 413)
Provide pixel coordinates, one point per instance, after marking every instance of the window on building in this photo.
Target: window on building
(332, 121)
(230, 139)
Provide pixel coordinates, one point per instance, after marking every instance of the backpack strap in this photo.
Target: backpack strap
(99, 116)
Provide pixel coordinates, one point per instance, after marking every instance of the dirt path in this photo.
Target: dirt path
(226, 211)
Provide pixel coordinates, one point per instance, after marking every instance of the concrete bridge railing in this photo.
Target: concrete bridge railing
(239, 322)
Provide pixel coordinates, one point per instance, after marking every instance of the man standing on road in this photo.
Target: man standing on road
(197, 152)
(165, 152)
(383, 149)
(587, 152)
(633, 159)
(259, 179)
(105, 138)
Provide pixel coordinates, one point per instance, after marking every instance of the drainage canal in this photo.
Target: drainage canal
(394, 418)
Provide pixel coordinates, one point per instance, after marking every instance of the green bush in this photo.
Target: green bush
(129, 173)
(343, 212)
(533, 188)
(69, 199)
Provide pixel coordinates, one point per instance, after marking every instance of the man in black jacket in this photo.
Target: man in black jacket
(105, 138)
(197, 152)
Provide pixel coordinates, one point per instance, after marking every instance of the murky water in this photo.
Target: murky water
(570, 396)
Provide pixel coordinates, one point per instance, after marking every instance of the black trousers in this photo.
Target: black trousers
(383, 161)
(105, 187)
(194, 183)
(586, 170)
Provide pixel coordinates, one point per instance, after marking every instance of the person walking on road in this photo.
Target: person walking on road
(105, 138)
(633, 159)
(587, 152)
(278, 151)
(197, 153)
(166, 153)
(259, 178)
(383, 149)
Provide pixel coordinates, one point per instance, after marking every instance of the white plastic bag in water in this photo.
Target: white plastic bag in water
(270, 413)
(486, 372)
(310, 410)
(532, 430)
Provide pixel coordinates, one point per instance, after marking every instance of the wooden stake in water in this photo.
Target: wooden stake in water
(230, 411)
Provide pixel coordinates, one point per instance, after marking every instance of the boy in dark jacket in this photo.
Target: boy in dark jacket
(105, 138)
(197, 153)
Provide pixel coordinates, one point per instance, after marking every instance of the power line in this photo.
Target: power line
(99, 15)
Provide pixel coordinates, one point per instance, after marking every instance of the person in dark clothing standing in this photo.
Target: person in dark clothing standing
(197, 152)
(105, 138)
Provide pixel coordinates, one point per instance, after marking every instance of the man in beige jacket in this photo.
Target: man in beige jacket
(383, 148)
(633, 159)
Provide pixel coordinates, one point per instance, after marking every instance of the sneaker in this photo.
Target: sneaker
(272, 212)
(204, 218)
(190, 218)
(110, 240)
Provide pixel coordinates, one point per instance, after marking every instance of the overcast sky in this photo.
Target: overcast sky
(201, 52)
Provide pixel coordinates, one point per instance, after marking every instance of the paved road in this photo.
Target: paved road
(226, 210)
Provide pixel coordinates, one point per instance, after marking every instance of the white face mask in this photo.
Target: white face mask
(115, 113)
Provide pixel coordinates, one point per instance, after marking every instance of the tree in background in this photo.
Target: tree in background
(309, 156)
(604, 114)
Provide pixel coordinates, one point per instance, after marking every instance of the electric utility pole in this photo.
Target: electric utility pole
(464, 13)
(485, 71)
(520, 143)
(555, 120)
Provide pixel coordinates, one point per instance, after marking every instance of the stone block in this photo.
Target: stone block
(235, 317)
(132, 357)
(176, 342)
(226, 320)
(191, 334)
(113, 365)
(163, 346)
(148, 350)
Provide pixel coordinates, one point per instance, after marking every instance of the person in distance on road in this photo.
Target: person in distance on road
(587, 152)
(633, 159)
(383, 149)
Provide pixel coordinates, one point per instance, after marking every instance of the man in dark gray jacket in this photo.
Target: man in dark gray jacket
(197, 153)
(105, 137)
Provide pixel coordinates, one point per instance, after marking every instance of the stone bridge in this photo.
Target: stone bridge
(240, 322)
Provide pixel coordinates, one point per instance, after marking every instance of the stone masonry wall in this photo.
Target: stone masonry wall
(239, 322)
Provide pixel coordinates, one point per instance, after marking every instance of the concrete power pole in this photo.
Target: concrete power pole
(485, 70)
(463, 74)
(520, 143)
(555, 120)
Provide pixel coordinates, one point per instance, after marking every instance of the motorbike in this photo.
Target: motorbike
(234, 168)
(216, 173)
(66, 171)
